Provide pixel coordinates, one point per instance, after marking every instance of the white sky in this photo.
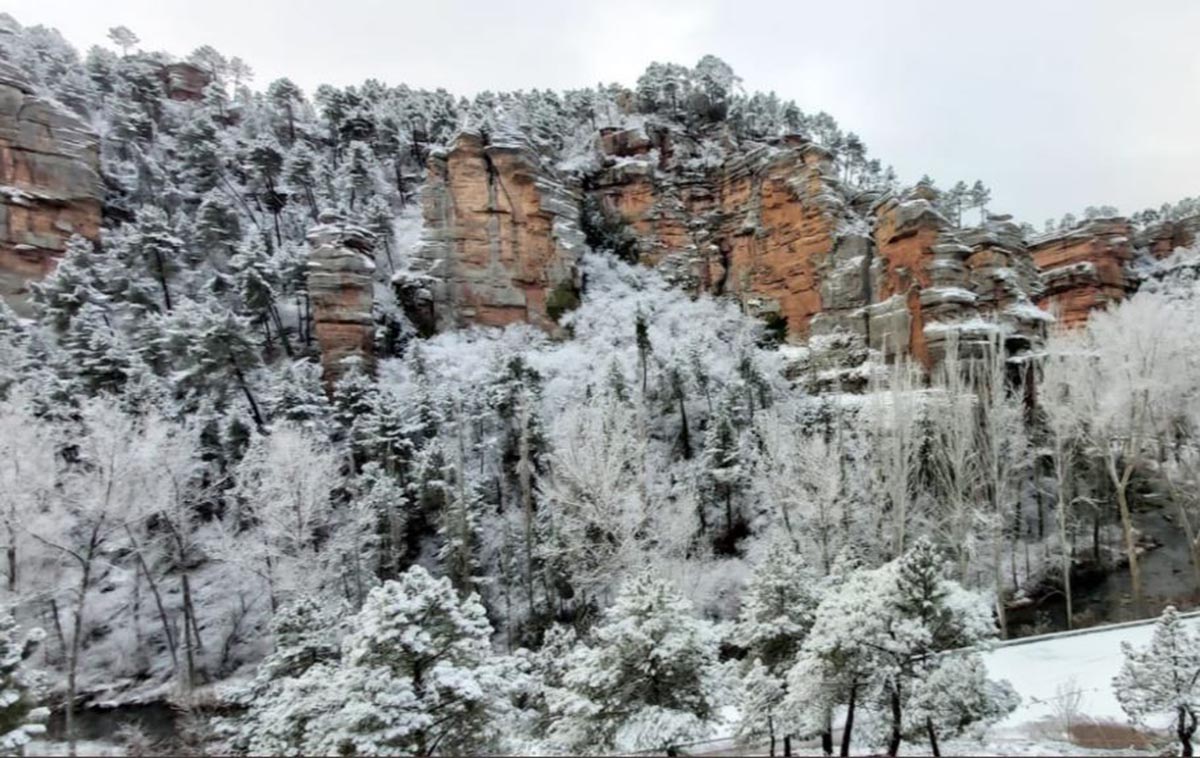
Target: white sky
(1055, 104)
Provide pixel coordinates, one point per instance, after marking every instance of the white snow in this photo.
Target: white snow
(1086, 658)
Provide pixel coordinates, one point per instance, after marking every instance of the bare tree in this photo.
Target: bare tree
(894, 415)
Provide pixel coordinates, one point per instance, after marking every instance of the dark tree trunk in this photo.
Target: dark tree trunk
(933, 742)
(241, 378)
(162, 279)
(1185, 727)
(684, 437)
(848, 727)
(894, 741)
(827, 742)
(787, 745)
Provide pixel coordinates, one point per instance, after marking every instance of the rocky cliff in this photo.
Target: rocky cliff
(767, 223)
(502, 237)
(341, 286)
(1084, 268)
(49, 185)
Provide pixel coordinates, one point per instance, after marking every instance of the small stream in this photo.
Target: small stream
(1106, 596)
(156, 720)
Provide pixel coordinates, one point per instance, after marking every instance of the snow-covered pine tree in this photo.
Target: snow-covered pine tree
(777, 613)
(417, 676)
(760, 701)
(21, 718)
(1163, 678)
(645, 680)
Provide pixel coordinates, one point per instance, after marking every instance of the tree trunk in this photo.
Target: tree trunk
(933, 742)
(1066, 554)
(1185, 727)
(12, 560)
(1135, 571)
(848, 727)
(283, 338)
(684, 436)
(787, 745)
(162, 280)
(188, 650)
(58, 630)
(76, 644)
(1001, 614)
(162, 612)
(241, 378)
(827, 742)
(894, 740)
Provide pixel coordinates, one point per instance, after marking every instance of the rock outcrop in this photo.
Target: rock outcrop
(769, 224)
(1163, 238)
(49, 184)
(1084, 268)
(185, 81)
(341, 287)
(501, 237)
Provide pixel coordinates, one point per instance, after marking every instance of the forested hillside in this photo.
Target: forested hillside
(666, 494)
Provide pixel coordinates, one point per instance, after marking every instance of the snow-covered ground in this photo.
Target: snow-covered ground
(1043, 668)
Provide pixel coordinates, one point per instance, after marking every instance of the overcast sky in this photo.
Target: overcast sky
(1055, 104)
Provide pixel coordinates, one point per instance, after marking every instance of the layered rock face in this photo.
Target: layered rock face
(1084, 269)
(1163, 238)
(49, 185)
(501, 237)
(770, 225)
(341, 287)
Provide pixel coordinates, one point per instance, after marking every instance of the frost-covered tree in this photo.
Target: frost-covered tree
(645, 680)
(21, 718)
(879, 636)
(285, 483)
(777, 613)
(1163, 678)
(416, 676)
(596, 506)
(759, 703)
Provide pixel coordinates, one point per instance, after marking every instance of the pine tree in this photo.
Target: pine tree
(1163, 677)
(301, 173)
(778, 608)
(647, 678)
(417, 677)
(761, 697)
(123, 38)
(724, 478)
(74, 283)
(980, 196)
(20, 716)
(160, 250)
(285, 96)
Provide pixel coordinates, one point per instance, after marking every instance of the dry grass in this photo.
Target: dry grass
(1108, 734)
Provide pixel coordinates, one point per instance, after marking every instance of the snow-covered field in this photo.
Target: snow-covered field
(1043, 670)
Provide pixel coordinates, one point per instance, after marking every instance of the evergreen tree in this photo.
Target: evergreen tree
(416, 677)
(1163, 678)
(647, 678)
(778, 608)
(724, 479)
(761, 696)
(20, 716)
(980, 196)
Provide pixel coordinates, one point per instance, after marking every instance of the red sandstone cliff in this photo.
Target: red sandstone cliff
(501, 236)
(49, 185)
(769, 224)
(1084, 268)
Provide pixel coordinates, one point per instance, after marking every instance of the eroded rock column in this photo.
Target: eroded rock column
(341, 287)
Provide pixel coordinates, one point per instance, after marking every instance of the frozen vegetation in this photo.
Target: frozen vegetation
(637, 537)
